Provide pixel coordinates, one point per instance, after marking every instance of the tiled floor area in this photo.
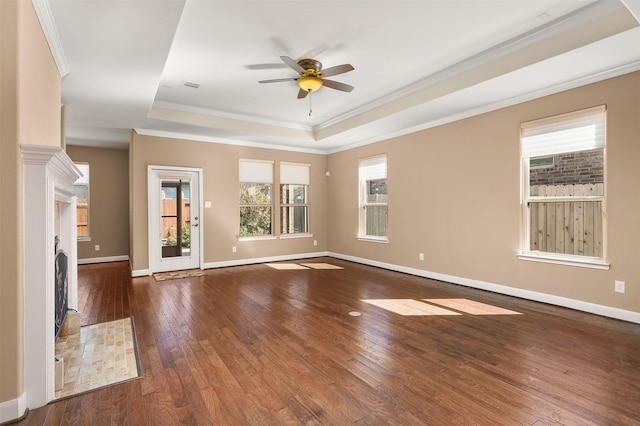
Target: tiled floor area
(100, 355)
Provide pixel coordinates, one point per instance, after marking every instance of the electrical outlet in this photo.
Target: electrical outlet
(97, 247)
(421, 256)
(619, 286)
(233, 249)
(315, 242)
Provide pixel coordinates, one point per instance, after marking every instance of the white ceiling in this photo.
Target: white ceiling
(417, 64)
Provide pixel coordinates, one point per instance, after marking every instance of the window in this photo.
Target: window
(563, 202)
(256, 179)
(81, 188)
(294, 203)
(372, 174)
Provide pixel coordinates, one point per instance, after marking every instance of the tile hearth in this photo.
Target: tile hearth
(100, 355)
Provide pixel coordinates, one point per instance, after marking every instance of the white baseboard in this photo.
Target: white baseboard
(102, 259)
(602, 310)
(140, 273)
(239, 262)
(13, 409)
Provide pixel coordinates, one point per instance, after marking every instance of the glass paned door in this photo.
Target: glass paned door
(176, 219)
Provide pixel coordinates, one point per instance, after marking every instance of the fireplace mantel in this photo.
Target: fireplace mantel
(49, 175)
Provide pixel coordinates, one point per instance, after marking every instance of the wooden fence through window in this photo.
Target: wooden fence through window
(568, 227)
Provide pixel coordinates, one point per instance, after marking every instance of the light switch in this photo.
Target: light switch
(207, 204)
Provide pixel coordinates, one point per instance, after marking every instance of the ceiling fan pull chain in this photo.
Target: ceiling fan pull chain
(309, 103)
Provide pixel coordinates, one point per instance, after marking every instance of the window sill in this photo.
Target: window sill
(81, 239)
(373, 239)
(581, 262)
(257, 238)
(300, 235)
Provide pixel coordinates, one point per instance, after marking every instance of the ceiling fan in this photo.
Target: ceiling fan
(312, 76)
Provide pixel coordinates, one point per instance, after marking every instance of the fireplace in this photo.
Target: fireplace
(61, 288)
(48, 177)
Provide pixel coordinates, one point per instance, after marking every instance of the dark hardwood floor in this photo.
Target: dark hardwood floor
(254, 345)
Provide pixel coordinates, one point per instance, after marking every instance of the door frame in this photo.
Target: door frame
(153, 208)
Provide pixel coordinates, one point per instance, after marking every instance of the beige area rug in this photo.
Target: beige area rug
(174, 275)
(100, 355)
(289, 266)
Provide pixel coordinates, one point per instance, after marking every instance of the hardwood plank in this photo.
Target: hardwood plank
(255, 345)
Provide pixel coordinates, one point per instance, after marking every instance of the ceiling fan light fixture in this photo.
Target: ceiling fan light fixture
(310, 83)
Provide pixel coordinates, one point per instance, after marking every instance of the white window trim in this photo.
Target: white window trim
(258, 176)
(362, 190)
(257, 238)
(559, 258)
(294, 174)
(85, 181)
(567, 260)
(298, 235)
(373, 239)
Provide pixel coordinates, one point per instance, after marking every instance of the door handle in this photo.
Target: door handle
(195, 224)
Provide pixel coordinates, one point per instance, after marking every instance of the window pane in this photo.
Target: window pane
(255, 193)
(82, 218)
(567, 173)
(255, 221)
(293, 194)
(567, 227)
(82, 192)
(294, 219)
(376, 221)
(169, 231)
(376, 191)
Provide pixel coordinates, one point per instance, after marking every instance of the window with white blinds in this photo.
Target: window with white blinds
(294, 203)
(563, 162)
(372, 176)
(576, 131)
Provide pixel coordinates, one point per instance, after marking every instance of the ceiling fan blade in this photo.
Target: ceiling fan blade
(293, 64)
(278, 66)
(338, 69)
(337, 85)
(277, 80)
(302, 94)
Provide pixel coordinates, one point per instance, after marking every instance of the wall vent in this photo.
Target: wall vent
(191, 84)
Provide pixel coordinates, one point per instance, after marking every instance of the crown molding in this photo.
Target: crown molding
(634, 8)
(43, 11)
(503, 103)
(581, 16)
(224, 141)
(229, 115)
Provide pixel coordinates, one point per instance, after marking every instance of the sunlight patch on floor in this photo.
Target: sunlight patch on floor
(472, 307)
(285, 266)
(288, 266)
(409, 307)
(321, 266)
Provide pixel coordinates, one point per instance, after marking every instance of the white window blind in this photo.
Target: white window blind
(292, 173)
(576, 131)
(373, 168)
(84, 169)
(256, 171)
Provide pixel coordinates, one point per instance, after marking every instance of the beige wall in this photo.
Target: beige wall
(221, 222)
(109, 201)
(454, 194)
(30, 114)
